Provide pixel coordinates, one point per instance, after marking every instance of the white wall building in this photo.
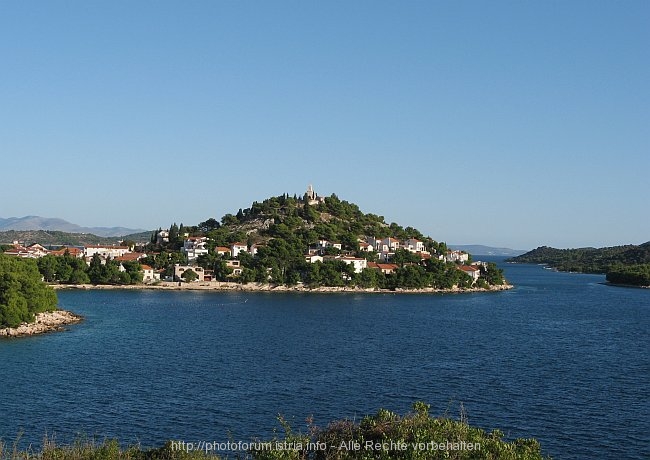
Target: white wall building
(359, 264)
(194, 247)
(105, 251)
(456, 256)
(414, 245)
(149, 274)
(236, 248)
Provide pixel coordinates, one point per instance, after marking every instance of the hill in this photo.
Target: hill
(626, 264)
(55, 224)
(321, 241)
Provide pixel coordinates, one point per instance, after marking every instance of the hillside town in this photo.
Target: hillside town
(194, 247)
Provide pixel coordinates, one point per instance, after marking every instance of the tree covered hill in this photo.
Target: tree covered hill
(286, 217)
(284, 228)
(629, 264)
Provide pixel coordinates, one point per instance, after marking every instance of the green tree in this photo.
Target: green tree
(368, 278)
(48, 267)
(134, 272)
(96, 270)
(22, 293)
(189, 275)
(492, 274)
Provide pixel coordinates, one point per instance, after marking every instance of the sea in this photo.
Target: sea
(562, 358)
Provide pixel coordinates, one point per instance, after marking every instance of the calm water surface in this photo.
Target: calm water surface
(561, 358)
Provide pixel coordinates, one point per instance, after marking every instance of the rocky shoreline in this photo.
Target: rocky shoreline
(49, 321)
(262, 287)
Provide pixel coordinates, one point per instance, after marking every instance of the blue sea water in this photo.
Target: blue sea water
(562, 358)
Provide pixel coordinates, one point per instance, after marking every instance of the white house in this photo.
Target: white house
(386, 255)
(195, 246)
(359, 264)
(105, 251)
(456, 256)
(162, 237)
(149, 274)
(365, 247)
(313, 258)
(392, 243)
(236, 248)
(474, 272)
(414, 245)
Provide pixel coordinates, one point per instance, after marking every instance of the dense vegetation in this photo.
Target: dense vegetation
(67, 269)
(22, 293)
(636, 275)
(385, 435)
(622, 264)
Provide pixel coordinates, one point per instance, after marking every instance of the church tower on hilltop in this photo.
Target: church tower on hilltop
(311, 195)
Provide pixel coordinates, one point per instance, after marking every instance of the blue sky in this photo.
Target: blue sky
(505, 123)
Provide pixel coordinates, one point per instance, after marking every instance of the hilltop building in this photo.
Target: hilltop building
(312, 197)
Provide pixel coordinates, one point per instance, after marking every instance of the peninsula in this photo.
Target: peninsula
(624, 265)
(27, 305)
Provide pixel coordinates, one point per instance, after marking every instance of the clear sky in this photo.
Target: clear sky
(505, 123)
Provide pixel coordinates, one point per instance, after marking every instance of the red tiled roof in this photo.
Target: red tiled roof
(130, 256)
(387, 266)
(468, 268)
(71, 251)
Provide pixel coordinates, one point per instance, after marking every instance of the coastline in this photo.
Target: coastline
(49, 321)
(622, 285)
(263, 287)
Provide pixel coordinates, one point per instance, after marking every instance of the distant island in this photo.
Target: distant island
(628, 265)
(300, 243)
(482, 250)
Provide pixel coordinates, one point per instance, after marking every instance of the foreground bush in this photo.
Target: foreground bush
(385, 435)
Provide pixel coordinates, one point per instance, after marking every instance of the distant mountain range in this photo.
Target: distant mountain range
(481, 250)
(55, 224)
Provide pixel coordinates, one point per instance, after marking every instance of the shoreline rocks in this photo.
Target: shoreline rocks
(48, 321)
(261, 287)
